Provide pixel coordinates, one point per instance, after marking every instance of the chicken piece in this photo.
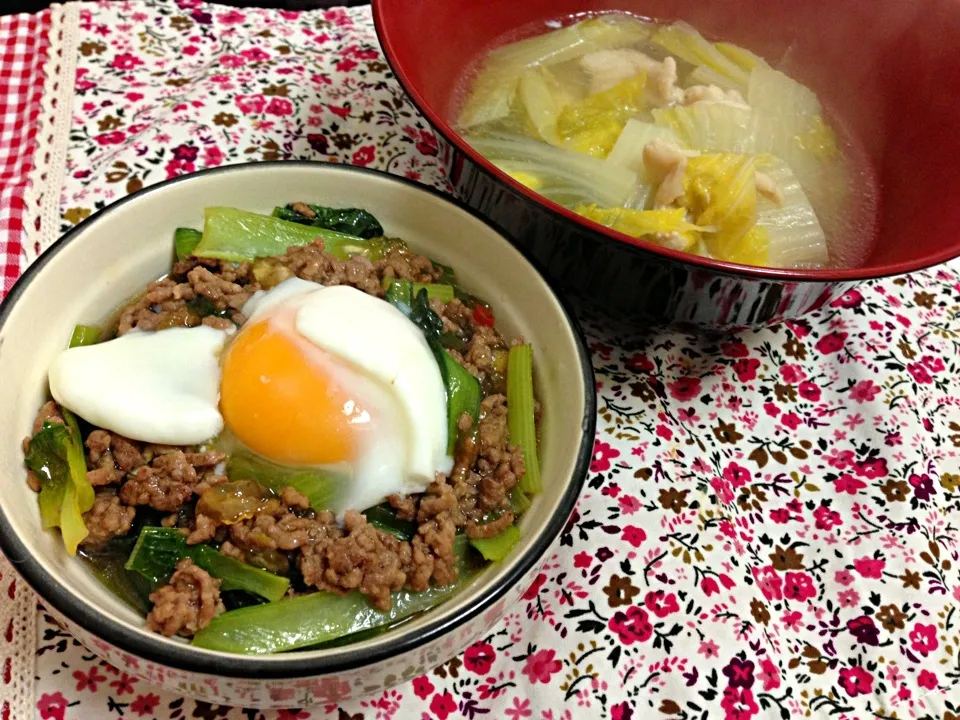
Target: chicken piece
(665, 163)
(711, 93)
(607, 68)
(768, 188)
(664, 83)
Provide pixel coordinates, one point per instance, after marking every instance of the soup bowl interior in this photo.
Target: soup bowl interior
(881, 68)
(110, 258)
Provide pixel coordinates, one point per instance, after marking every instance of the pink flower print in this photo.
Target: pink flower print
(611, 490)
(52, 707)
(603, 453)
(871, 469)
(88, 680)
(684, 389)
(110, 138)
(640, 363)
(792, 620)
(923, 638)
(734, 349)
(792, 374)
(443, 705)
(345, 65)
(709, 649)
(520, 709)
(826, 519)
(633, 535)
(255, 54)
(738, 703)
(665, 432)
(800, 328)
(769, 582)
(541, 666)
(628, 505)
(809, 391)
(831, 343)
(843, 577)
(790, 420)
(186, 152)
(864, 391)
(933, 364)
(847, 483)
(133, 97)
(213, 156)
(660, 603)
(427, 144)
(582, 560)
(534, 589)
(709, 586)
(919, 373)
(769, 674)
(739, 673)
(479, 658)
(125, 61)
(798, 586)
(231, 18)
(620, 711)
(850, 299)
(363, 156)
(737, 475)
(284, 714)
(145, 704)
(279, 106)
(856, 681)
(232, 61)
(839, 459)
(251, 104)
(723, 490)
(746, 369)
(869, 567)
(80, 84)
(632, 626)
(927, 680)
(422, 687)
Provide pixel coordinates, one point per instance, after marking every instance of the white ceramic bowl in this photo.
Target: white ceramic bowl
(112, 255)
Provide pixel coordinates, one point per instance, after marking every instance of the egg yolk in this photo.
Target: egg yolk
(282, 404)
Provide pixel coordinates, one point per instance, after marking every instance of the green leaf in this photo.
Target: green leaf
(350, 221)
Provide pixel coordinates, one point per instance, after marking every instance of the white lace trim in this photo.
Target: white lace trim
(18, 629)
(42, 198)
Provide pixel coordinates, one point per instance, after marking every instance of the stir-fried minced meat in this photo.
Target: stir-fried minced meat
(50, 412)
(405, 265)
(166, 484)
(312, 262)
(490, 529)
(499, 463)
(107, 519)
(433, 555)
(187, 603)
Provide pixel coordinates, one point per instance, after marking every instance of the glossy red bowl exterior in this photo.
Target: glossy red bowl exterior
(887, 70)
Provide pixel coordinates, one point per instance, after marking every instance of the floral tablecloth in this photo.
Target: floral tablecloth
(770, 524)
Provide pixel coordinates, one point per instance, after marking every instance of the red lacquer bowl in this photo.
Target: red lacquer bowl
(887, 70)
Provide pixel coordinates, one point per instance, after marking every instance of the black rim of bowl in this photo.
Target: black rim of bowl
(185, 657)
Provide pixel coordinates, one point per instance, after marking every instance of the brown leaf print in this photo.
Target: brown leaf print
(727, 433)
(786, 559)
(673, 499)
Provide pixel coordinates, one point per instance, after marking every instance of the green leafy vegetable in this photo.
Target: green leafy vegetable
(497, 547)
(405, 290)
(84, 335)
(158, 550)
(322, 488)
(185, 240)
(238, 235)
(350, 221)
(55, 455)
(319, 617)
(385, 518)
(520, 415)
(519, 502)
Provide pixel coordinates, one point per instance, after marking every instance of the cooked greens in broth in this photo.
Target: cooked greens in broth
(654, 131)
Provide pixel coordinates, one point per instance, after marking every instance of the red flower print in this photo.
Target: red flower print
(633, 535)
(628, 505)
(769, 674)
(124, 684)
(769, 582)
(847, 483)
(213, 156)
(737, 475)
(110, 138)
(292, 714)
(231, 18)
(640, 363)
(734, 349)
(919, 373)
(850, 299)
(660, 603)
(739, 673)
(665, 432)
(726, 581)
(340, 112)
(869, 567)
(864, 629)
(52, 707)
(232, 61)
(611, 490)
(871, 469)
(89, 679)
(125, 61)
(826, 518)
(255, 54)
(798, 586)
(319, 143)
(723, 490)
(363, 156)
(831, 343)
(632, 626)
(603, 453)
(933, 364)
(684, 389)
(746, 369)
(856, 681)
(709, 586)
(427, 144)
(443, 705)
(621, 711)
(145, 704)
(534, 588)
(864, 391)
(185, 152)
(345, 65)
(179, 167)
(279, 106)
(923, 638)
(922, 486)
(927, 680)
(809, 391)
(738, 703)
(790, 420)
(800, 328)
(541, 666)
(792, 374)
(479, 658)
(582, 560)
(250, 104)
(422, 687)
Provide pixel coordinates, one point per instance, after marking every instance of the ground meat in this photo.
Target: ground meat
(303, 209)
(364, 559)
(218, 323)
(294, 499)
(231, 551)
(403, 264)
(187, 603)
(107, 518)
(223, 293)
(312, 262)
(499, 463)
(110, 457)
(162, 306)
(50, 412)
(204, 529)
(490, 529)
(282, 531)
(432, 547)
(208, 459)
(165, 484)
(405, 506)
(480, 349)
